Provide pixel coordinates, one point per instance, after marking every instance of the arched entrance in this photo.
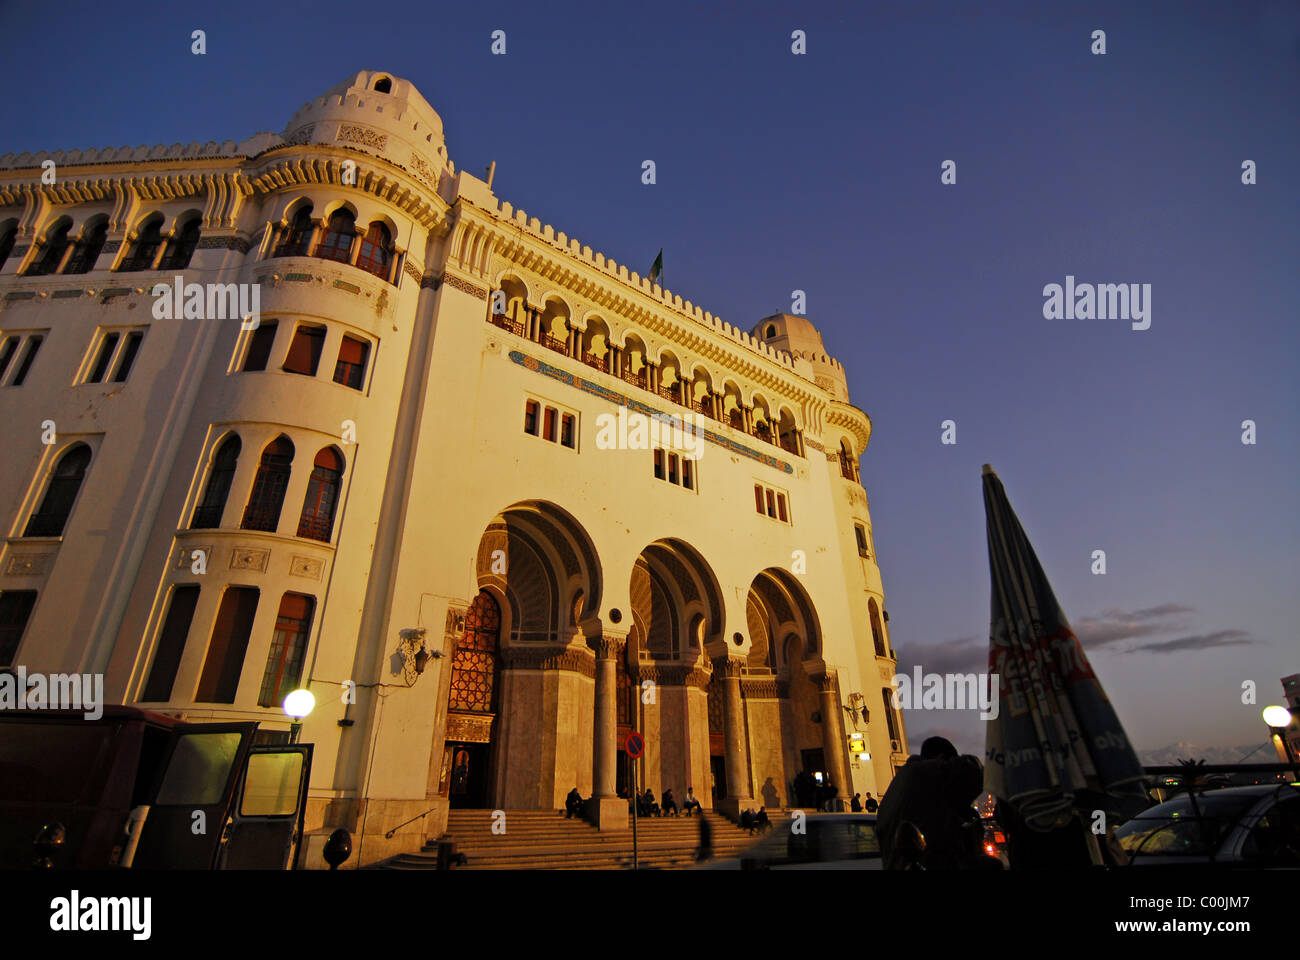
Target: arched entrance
(472, 706)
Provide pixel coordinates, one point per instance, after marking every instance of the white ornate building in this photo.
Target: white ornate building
(396, 491)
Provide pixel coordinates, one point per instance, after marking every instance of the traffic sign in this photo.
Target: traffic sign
(634, 745)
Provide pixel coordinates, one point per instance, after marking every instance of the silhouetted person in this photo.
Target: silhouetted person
(934, 794)
(669, 802)
(651, 808)
(855, 805)
(573, 804)
(760, 819)
(869, 804)
(747, 821)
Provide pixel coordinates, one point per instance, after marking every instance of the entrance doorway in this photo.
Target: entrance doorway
(718, 766)
(467, 765)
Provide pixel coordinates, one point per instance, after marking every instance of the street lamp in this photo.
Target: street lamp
(297, 705)
(1278, 719)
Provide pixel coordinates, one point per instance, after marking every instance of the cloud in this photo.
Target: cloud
(1199, 641)
(1114, 626)
(963, 655)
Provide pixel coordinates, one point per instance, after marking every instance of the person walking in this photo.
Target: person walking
(705, 850)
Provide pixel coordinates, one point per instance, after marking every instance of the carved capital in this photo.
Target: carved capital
(825, 681)
(607, 646)
(728, 667)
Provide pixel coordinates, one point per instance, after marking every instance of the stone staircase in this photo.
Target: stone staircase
(543, 840)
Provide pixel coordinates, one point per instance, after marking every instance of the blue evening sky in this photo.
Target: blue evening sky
(821, 173)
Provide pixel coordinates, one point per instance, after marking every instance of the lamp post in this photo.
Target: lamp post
(298, 704)
(1278, 720)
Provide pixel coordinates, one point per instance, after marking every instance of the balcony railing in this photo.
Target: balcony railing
(638, 379)
(552, 342)
(505, 323)
(315, 527)
(595, 362)
(261, 518)
(848, 470)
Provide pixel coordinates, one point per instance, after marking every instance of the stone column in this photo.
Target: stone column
(733, 725)
(605, 808)
(832, 733)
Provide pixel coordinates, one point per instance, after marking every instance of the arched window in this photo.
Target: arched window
(60, 495)
(771, 331)
(337, 242)
(56, 245)
(288, 649)
(877, 632)
(146, 247)
(7, 238)
(181, 247)
(376, 251)
(383, 85)
(474, 665)
(208, 513)
(263, 510)
(88, 249)
(848, 462)
(317, 520)
(297, 236)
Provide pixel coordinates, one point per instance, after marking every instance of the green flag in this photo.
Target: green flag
(657, 268)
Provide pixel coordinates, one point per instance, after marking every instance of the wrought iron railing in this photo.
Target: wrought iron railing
(315, 527)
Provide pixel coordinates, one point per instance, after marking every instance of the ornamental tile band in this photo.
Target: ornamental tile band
(613, 396)
(466, 287)
(349, 287)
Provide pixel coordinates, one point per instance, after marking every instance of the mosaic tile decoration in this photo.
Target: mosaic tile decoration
(636, 406)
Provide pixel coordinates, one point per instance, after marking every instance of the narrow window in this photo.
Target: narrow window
(146, 248)
(7, 350)
(263, 510)
(758, 498)
(297, 236)
(771, 504)
(29, 356)
(259, 347)
(106, 348)
(566, 431)
(780, 507)
(56, 245)
(688, 481)
(549, 433)
(288, 648)
(7, 244)
(383, 85)
(225, 659)
(317, 519)
(181, 249)
(337, 243)
(15, 609)
(171, 643)
(350, 370)
(530, 417)
(129, 350)
(207, 515)
(304, 352)
(877, 631)
(887, 693)
(87, 250)
(659, 464)
(376, 251)
(672, 468)
(862, 540)
(60, 495)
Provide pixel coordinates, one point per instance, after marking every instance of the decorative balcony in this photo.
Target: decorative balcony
(551, 342)
(595, 362)
(316, 527)
(505, 323)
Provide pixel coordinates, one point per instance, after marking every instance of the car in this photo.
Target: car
(814, 841)
(1254, 826)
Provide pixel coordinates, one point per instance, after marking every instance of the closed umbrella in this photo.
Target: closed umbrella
(1056, 748)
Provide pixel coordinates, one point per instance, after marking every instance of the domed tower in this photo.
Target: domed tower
(798, 337)
(380, 114)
